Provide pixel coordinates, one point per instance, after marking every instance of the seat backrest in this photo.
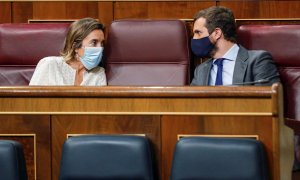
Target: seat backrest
(12, 161)
(219, 158)
(282, 42)
(147, 52)
(23, 45)
(106, 157)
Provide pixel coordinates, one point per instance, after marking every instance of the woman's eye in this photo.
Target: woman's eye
(94, 43)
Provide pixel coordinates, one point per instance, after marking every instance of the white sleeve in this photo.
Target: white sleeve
(41, 73)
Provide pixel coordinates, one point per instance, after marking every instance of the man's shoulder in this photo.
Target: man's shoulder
(205, 63)
(255, 52)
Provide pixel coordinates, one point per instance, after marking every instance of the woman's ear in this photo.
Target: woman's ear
(75, 47)
(76, 44)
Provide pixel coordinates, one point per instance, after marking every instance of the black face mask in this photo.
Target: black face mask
(202, 47)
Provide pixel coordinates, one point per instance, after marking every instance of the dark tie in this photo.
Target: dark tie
(219, 63)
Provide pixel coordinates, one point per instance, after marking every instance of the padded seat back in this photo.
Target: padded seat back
(12, 161)
(282, 42)
(147, 52)
(23, 45)
(219, 158)
(106, 157)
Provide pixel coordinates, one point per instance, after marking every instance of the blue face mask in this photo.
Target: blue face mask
(202, 47)
(91, 57)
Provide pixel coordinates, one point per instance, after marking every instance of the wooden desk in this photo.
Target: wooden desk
(42, 118)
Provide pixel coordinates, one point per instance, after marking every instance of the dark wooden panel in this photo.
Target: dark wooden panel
(281, 9)
(5, 12)
(244, 9)
(263, 9)
(78, 10)
(158, 10)
(21, 128)
(95, 124)
(172, 126)
(109, 10)
(49, 10)
(64, 10)
(22, 11)
(105, 13)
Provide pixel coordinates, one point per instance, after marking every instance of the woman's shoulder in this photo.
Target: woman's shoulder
(51, 60)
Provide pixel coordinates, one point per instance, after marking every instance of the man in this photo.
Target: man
(230, 64)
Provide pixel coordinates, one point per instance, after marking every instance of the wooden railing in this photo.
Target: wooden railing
(50, 114)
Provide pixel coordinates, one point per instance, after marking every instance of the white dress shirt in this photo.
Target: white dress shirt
(228, 67)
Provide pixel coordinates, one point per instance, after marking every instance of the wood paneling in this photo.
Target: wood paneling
(80, 124)
(22, 11)
(280, 9)
(125, 99)
(30, 124)
(78, 10)
(263, 9)
(49, 10)
(64, 10)
(158, 10)
(172, 126)
(105, 13)
(161, 113)
(244, 9)
(5, 12)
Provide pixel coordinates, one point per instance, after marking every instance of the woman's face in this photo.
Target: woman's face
(94, 39)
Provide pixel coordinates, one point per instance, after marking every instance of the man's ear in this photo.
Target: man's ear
(219, 33)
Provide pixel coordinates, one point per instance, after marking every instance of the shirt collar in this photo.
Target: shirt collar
(231, 54)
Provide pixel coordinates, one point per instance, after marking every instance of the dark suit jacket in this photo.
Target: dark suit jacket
(250, 66)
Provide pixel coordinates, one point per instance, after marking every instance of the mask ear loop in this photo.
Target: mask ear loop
(220, 31)
(210, 37)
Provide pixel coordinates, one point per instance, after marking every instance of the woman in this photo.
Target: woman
(79, 60)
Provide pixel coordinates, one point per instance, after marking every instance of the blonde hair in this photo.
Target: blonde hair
(77, 31)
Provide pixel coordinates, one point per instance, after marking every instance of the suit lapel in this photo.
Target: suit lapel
(240, 66)
(206, 72)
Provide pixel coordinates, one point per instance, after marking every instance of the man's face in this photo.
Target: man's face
(199, 30)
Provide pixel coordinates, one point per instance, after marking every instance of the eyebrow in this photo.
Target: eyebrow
(94, 40)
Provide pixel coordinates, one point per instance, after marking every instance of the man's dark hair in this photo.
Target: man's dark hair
(219, 17)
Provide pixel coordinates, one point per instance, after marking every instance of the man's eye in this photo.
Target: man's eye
(197, 32)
